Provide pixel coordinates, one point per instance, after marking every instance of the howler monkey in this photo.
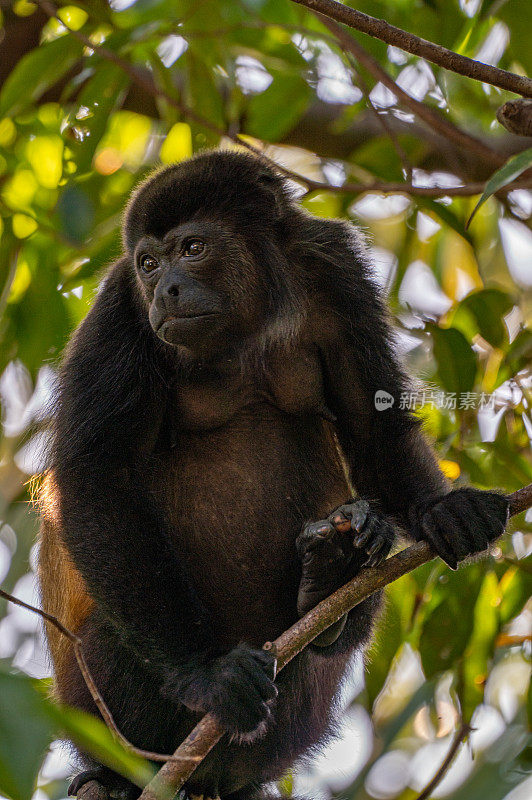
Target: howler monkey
(218, 396)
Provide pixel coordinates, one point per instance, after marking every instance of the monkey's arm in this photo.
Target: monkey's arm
(388, 456)
(390, 461)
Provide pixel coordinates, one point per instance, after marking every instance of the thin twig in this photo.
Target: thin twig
(171, 777)
(89, 680)
(380, 117)
(466, 190)
(461, 734)
(380, 29)
(429, 115)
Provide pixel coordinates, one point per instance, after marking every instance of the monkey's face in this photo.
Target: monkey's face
(200, 285)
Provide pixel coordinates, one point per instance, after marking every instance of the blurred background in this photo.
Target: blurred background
(94, 95)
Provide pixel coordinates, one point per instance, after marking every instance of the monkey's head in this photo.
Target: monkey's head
(206, 241)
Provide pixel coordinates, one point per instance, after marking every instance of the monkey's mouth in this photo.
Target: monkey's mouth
(186, 317)
(178, 329)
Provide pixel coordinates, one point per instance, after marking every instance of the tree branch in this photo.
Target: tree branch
(146, 82)
(461, 734)
(424, 112)
(435, 53)
(172, 776)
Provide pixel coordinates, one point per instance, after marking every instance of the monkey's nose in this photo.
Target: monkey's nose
(172, 290)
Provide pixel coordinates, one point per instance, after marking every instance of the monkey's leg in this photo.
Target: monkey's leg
(333, 550)
(112, 786)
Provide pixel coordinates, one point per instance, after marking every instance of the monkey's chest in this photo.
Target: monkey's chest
(292, 383)
(238, 497)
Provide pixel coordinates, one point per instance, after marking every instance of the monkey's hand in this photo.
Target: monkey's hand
(237, 688)
(461, 523)
(333, 550)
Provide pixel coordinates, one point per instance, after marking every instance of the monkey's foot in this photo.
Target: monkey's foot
(333, 550)
(101, 783)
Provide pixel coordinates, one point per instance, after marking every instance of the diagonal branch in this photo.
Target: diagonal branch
(461, 734)
(429, 115)
(172, 776)
(435, 53)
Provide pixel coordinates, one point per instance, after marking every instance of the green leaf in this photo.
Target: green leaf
(93, 735)
(449, 626)
(29, 721)
(485, 309)
(518, 357)
(40, 318)
(480, 647)
(26, 730)
(516, 589)
(75, 211)
(37, 71)
(518, 17)
(204, 94)
(100, 96)
(505, 175)
(457, 364)
(274, 112)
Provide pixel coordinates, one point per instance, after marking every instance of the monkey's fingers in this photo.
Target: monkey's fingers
(378, 550)
(434, 531)
(350, 516)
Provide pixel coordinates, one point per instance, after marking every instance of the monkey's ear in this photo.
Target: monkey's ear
(273, 186)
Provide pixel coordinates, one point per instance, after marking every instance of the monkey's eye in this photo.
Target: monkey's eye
(193, 247)
(148, 263)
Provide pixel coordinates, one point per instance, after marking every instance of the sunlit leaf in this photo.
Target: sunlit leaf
(289, 95)
(456, 361)
(91, 734)
(505, 175)
(36, 71)
(178, 144)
